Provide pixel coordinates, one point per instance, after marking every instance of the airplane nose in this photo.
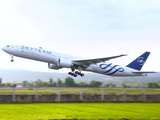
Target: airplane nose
(4, 48)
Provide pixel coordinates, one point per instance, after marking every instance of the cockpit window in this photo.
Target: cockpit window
(7, 45)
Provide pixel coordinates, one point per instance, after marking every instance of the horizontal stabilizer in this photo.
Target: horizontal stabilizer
(143, 72)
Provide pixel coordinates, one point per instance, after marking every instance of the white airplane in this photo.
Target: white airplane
(57, 61)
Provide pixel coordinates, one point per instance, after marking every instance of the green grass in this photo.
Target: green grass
(77, 91)
(153, 91)
(43, 111)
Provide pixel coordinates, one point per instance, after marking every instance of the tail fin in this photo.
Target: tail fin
(138, 63)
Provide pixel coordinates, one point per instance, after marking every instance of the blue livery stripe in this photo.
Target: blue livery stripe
(113, 69)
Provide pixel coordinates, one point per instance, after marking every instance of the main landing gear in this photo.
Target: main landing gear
(75, 73)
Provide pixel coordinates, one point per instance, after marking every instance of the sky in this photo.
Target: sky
(84, 28)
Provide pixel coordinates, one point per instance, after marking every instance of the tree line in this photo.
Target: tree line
(69, 82)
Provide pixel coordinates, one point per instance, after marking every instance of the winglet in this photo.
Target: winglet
(123, 54)
(138, 63)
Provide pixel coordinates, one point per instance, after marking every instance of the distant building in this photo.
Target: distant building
(19, 86)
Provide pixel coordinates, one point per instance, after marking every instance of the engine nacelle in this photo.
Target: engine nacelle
(64, 63)
(53, 66)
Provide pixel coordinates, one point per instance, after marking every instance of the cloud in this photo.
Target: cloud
(92, 28)
(98, 15)
(15, 28)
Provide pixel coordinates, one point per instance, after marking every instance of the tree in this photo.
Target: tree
(149, 85)
(13, 85)
(8, 84)
(0, 82)
(135, 85)
(69, 82)
(83, 84)
(59, 82)
(50, 80)
(153, 85)
(31, 84)
(46, 84)
(125, 85)
(25, 83)
(38, 83)
(94, 83)
(110, 85)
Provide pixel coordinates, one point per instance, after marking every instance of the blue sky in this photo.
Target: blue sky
(85, 28)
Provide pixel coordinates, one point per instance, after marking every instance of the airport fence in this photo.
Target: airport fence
(61, 94)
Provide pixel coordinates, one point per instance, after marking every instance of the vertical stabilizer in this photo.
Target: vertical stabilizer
(138, 63)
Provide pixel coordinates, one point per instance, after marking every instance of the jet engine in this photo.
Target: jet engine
(53, 66)
(64, 63)
(61, 63)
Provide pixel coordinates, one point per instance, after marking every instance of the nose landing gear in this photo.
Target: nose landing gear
(12, 58)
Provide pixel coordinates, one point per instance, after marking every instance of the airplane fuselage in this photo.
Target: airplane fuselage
(57, 61)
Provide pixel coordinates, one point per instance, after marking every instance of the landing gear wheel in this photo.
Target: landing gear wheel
(12, 60)
(76, 72)
(72, 74)
(69, 73)
(81, 74)
(75, 75)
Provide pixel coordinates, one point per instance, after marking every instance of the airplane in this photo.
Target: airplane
(57, 61)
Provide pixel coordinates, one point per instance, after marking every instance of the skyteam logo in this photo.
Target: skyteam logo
(111, 69)
(35, 50)
(140, 60)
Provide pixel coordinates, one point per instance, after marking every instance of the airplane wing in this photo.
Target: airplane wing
(87, 62)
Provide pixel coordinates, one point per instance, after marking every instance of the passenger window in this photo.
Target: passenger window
(7, 45)
(17, 47)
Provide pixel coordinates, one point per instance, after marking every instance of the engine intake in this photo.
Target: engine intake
(53, 66)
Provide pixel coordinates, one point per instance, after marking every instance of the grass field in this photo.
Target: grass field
(77, 91)
(43, 111)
